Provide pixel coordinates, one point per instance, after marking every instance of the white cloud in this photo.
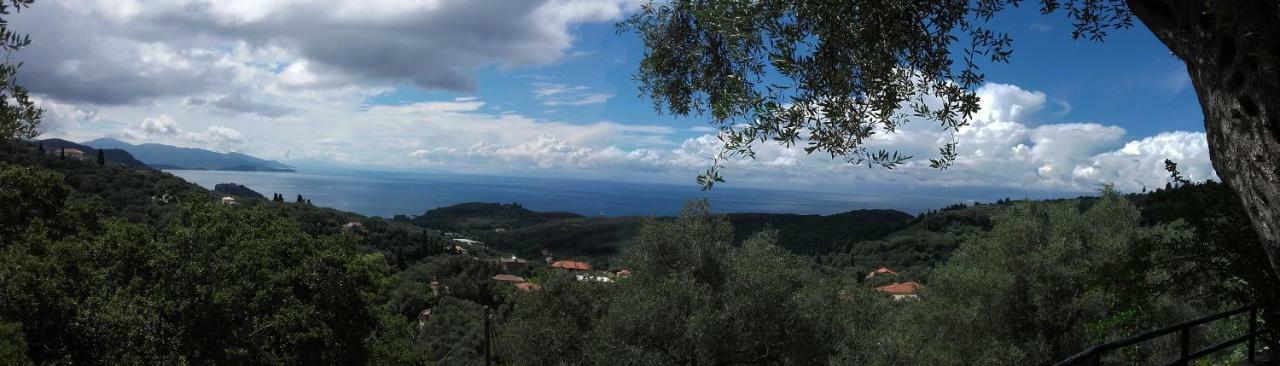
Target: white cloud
(554, 94)
(160, 125)
(1000, 149)
(165, 129)
(60, 118)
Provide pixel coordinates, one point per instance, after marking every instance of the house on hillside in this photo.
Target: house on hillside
(881, 272)
(901, 291)
(546, 254)
(469, 242)
(512, 264)
(70, 153)
(424, 317)
(527, 286)
(228, 200)
(623, 273)
(353, 226)
(571, 265)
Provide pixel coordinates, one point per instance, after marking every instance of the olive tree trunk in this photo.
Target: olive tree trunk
(1232, 52)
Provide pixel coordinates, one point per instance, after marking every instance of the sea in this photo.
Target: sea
(386, 194)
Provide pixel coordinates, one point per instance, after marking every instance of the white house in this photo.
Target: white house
(468, 241)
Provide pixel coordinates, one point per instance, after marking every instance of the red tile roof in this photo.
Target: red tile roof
(526, 286)
(573, 265)
(507, 278)
(906, 288)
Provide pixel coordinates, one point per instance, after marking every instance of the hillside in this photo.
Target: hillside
(162, 156)
(111, 154)
(485, 216)
(135, 194)
(237, 190)
(817, 233)
(510, 227)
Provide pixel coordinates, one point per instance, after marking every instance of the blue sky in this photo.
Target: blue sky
(1130, 80)
(544, 88)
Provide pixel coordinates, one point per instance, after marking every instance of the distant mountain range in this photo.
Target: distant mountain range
(110, 154)
(184, 158)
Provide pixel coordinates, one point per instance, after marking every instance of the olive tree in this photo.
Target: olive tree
(19, 115)
(829, 74)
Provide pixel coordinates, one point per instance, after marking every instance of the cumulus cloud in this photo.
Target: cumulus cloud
(164, 128)
(118, 52)
(160, 125)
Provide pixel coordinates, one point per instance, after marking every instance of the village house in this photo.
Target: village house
(469, 242)
(527, 286)
(435, 287)
(228, 200)
(353, 226)
(571, 265)
(70, 153)
(512, 264)
(424, 317)
(901, 291)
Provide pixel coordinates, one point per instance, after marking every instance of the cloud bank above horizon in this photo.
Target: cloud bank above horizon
(298, 81)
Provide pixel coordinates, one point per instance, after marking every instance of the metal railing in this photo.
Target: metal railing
(1093, 355)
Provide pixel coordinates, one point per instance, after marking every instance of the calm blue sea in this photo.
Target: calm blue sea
(388, 193)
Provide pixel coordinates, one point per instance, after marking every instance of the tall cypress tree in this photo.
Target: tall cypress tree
(102, 157)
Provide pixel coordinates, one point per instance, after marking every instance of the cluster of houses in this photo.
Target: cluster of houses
(899, 290)
(581, 271)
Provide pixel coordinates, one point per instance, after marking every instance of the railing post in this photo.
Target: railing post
(488, 357)
(1186, 346)
(1253, 328)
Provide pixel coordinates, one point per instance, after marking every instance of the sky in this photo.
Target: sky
(544, 88)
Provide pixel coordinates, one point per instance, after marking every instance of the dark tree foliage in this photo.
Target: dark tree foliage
(816, 234)
(216, 284)
(694, 298)
(1222, 246)
(138, 195)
